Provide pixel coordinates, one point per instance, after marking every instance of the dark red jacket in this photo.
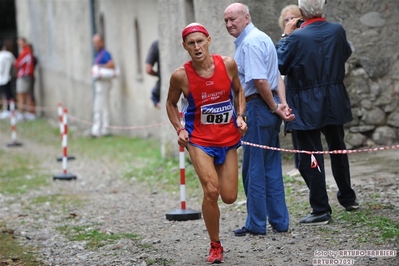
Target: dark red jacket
(25, 63)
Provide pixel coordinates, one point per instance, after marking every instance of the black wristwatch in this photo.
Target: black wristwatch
(244, 117)
(284, 35)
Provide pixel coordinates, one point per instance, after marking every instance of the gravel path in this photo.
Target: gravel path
(114, 205)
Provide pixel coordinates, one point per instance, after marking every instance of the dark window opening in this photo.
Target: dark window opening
(137, 35)
(8, 25)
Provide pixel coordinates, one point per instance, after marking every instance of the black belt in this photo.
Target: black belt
(257, 95)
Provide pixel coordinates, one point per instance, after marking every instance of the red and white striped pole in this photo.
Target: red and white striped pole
(61, 120)
(13, 121)
(65, 175)
(65, 142)
(183, 214)
(182, 178)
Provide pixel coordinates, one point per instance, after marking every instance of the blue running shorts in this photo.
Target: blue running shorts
(218, 153)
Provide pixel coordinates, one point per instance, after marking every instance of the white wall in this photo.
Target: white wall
(60, 31)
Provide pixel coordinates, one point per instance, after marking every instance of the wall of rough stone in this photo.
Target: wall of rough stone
(372, 70)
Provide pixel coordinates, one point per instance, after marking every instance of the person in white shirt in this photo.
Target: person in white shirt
(7, 60)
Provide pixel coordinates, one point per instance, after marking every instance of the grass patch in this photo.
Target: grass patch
(140, 159)
(19, 173)
(93, 236)
(65, 201)
(163, 174)
(11, 253)
(57, 199)
(375, 228)
(48, 134)
(119, 149)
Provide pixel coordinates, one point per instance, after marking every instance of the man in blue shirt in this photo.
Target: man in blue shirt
(265, 109)
(312, 59)
(150, 62)
(102, 87)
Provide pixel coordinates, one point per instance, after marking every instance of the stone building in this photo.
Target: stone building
(61, 31)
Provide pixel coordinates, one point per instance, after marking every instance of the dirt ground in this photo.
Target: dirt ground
(117, 205)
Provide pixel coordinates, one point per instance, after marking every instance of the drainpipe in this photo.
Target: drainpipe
(92, 22)
(93, 31)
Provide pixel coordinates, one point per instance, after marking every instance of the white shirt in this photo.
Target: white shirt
(6, 61)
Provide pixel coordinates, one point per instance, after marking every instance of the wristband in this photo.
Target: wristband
(178, 131)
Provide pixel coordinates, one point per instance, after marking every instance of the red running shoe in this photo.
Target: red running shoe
(215, 253)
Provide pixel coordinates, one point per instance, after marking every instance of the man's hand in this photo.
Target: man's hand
(285, 112)
(183, 138)
(242, 126)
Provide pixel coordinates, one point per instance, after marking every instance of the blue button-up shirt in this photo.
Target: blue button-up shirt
(256, 58)
(102, 57)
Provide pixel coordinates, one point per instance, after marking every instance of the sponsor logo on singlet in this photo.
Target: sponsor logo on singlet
(212, 96)
(217, 113)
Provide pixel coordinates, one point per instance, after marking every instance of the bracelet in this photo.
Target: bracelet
(244, 117)
(178, 131)
(274, 109)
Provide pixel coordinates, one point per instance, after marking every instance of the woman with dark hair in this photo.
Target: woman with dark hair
(25, 66)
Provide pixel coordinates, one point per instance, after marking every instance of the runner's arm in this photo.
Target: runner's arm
(239, 98)
(177, 81)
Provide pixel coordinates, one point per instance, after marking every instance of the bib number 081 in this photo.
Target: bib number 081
(217, 118)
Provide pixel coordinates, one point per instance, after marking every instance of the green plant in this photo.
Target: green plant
(19, 173)
(11, 253)
(375, 195)
(375, 227)
(48, 133)
(163, 174)
(65, 201)
(93, 236)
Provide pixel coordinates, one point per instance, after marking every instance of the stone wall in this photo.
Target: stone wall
(372, 70)
(372, 79)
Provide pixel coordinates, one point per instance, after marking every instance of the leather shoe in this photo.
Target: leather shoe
(316, 219)
(353, 207)
(244, 231)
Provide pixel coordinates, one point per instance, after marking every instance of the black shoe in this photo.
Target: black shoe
(353, 207)
(279, 231)
(316, 219)
(243, 231)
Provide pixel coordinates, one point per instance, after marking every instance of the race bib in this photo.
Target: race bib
(217, 113)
